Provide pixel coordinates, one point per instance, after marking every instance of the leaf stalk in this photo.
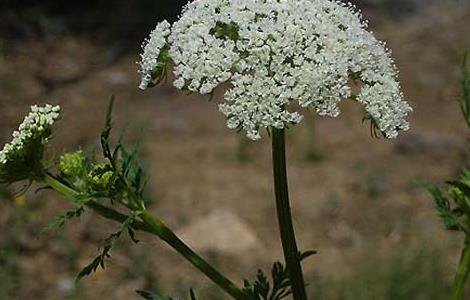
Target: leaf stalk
(152, 225)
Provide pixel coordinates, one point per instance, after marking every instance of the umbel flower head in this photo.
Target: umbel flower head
(275, 53)
(21, 158)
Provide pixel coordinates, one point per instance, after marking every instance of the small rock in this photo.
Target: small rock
(222, 231)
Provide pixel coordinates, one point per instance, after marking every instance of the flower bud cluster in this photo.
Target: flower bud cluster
(85, 175)
(73, 164)
(100, 176)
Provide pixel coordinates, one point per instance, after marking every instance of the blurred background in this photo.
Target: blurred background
(354, 197)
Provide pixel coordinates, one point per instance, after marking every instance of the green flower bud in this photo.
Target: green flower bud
(73, 164)
(100, 176)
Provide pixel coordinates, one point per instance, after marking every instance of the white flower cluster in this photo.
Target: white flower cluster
(275, 52)
(36, 126)
(152, 48)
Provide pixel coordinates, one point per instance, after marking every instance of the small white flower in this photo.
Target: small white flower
(179, 83)
(152, 47)
(35, 127)
(275, 52)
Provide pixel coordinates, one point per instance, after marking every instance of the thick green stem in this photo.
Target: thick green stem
(458, 289)
(159, 229)
(289, 245)
(156, 227)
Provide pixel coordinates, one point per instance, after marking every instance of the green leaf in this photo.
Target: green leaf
(151, 296)
(59, 221)
(129, 181)
(261, 286)
(462, 186)
(121, 180)
(281, 281)
(108, 125)
(461, 198)
(281, 287)
(131, 233)
(91, 268)
(132, 171)
(465, 82)
(192, 295)
(307, 254)
(109, 243)
(447, 214)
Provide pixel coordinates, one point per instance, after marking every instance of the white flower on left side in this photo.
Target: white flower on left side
(35, 127)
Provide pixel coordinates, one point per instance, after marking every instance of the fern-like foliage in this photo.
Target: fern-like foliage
(262, 288)
(129, 180)
(59, 221)
(454, 206)
(278, 288)
(465, 82)
(104, 253)
(153, 296)
(450, 215)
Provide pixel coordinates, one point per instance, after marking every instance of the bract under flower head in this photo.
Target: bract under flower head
(275, 52)
(21, 158)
